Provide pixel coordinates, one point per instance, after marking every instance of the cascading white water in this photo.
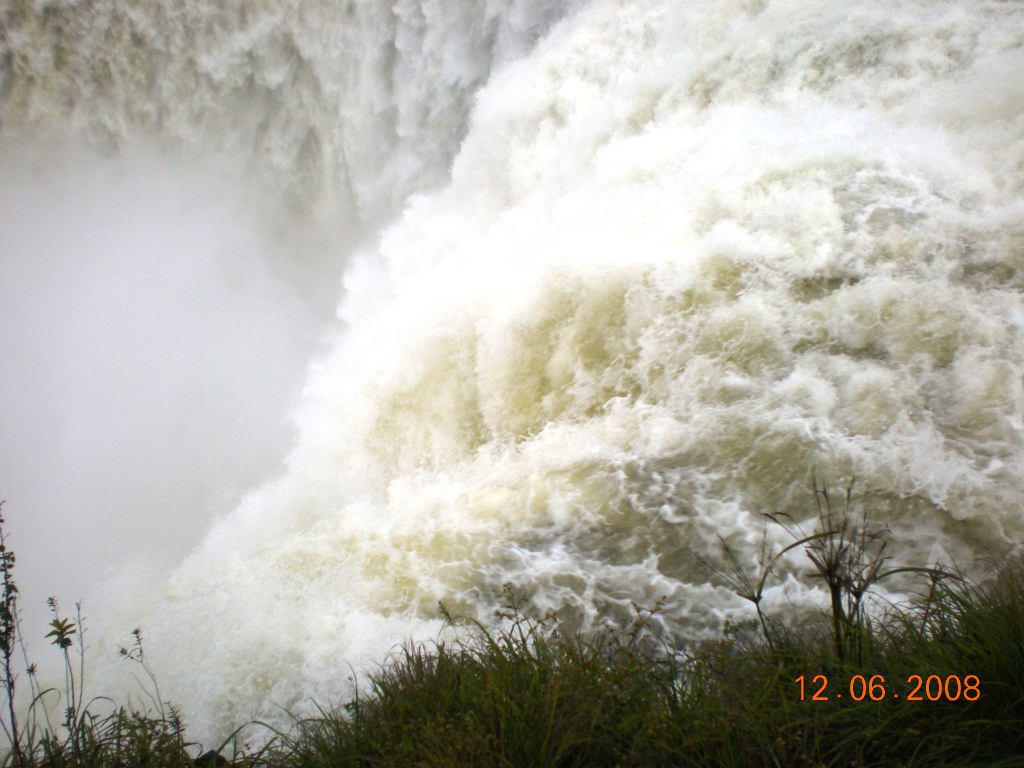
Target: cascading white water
(687, 255)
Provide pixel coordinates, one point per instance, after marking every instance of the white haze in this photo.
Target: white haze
(668, 260)
(151, 353)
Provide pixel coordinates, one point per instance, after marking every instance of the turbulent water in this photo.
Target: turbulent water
(615, 279)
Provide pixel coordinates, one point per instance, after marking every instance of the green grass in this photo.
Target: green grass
(518, 693)
(522, 697)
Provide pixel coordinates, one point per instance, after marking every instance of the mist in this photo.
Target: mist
(153, 344)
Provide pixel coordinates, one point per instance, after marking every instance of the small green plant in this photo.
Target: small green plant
(752, 588)
(85, 736)
(851, 559)
(9, 637)
(849, 554)
(62, 633)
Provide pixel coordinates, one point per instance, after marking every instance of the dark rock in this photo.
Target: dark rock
(210, 759)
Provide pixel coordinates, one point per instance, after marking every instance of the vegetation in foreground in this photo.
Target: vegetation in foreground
(939, 682)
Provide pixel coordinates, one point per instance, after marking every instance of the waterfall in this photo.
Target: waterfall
(615, 279)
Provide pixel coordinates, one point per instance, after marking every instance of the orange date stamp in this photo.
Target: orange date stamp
(875, 688)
